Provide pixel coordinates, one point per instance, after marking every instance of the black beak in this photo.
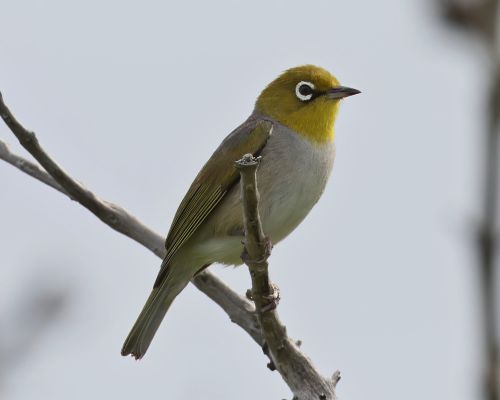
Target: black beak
(340, 92)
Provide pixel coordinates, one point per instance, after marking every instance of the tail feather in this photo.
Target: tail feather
(152, 314)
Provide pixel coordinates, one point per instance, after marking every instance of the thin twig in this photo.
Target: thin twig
(109, 213)
(296, 369)
(28, 167)
(238, 308)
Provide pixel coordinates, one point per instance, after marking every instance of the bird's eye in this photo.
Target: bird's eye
(304, 91)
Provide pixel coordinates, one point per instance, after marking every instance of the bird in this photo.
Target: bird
(292, 129)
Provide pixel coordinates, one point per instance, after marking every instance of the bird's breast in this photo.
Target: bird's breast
(291, 179)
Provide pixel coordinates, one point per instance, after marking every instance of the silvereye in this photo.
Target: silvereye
(297, 157)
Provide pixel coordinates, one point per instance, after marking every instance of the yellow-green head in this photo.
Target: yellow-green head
(306, 99)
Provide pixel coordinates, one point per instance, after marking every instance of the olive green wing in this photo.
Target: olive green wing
(212, 183)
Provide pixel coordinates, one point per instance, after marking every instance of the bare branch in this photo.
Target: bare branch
(109, 213)
(239, 309)
(336, 378)
(294, 366)
(28, 167)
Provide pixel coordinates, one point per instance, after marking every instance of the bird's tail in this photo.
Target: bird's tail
(157, 305)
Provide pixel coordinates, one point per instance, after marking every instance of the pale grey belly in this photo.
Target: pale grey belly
(291, 178)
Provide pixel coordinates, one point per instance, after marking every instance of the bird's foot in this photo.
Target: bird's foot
(273, 297)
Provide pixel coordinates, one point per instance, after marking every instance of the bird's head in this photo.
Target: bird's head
(306, 99)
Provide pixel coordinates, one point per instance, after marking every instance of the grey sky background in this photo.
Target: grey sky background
(133, 98)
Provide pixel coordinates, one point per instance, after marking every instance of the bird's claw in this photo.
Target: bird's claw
(273, 297)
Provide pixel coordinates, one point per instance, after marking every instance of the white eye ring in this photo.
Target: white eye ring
(301, 96)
